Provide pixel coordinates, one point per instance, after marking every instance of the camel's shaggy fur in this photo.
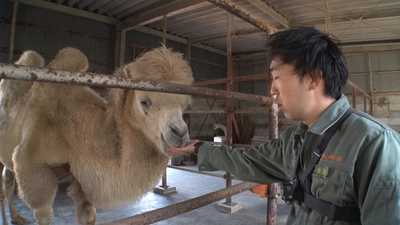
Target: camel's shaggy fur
(11, 92)
(114, 147)
(13, 89)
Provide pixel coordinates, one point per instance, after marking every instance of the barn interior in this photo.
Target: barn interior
(224, 41)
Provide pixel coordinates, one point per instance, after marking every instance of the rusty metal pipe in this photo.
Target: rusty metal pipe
(272, 192)
(182, 207)
(8, 71)
(245, 15)
(233, 79)
(200, 172)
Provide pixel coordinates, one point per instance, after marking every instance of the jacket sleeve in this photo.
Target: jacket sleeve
(377, 178)
(266, 163)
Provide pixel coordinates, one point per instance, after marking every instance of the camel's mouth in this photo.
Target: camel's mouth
(171, 140)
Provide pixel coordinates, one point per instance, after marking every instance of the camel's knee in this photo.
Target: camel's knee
(37, 186)
(44, 215)
(86, 213)
(2, 194)
(9, 180)
(9, 185)
(3, 200)
(84, 209)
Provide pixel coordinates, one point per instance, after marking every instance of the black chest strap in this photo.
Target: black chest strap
(302, 182)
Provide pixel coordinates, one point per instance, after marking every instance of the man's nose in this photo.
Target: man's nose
(273, 90)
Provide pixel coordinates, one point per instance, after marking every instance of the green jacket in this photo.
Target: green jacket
(360, 166)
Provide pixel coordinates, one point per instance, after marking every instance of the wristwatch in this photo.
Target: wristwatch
(197, 147)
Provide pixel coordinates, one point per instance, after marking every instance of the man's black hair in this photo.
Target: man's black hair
(311, 52)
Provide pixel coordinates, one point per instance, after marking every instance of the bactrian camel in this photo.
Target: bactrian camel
(113, 147)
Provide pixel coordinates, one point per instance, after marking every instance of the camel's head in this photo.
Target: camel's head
(161, 112)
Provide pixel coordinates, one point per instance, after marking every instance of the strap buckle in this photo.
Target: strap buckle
(287, 192)
(318, 151)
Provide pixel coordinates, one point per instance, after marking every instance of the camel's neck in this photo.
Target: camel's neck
(136, 169)
(127, 116)
(135, 166)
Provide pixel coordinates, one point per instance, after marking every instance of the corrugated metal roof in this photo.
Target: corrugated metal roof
(199, 21)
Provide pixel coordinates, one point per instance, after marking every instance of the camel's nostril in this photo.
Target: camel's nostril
(178, 131)
(174, 131)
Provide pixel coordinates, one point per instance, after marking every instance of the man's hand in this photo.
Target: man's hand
(187, 150)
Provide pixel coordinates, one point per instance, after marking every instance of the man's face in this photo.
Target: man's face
(292, 95)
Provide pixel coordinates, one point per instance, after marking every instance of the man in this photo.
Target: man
(356, 180)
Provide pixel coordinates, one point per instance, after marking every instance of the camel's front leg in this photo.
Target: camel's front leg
(37, 183)
(84, 209)
(9, 185)
(3, 200)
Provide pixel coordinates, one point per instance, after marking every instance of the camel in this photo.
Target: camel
(113, 147)
(11, 91)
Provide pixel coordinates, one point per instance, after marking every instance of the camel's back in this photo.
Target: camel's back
(50, 114)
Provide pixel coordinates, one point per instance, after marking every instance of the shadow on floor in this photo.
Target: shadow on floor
(188, 185)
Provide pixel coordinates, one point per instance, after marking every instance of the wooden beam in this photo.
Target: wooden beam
(178, 39)
(354, 85)
(270, 11)
(223, 35)
(234, 79)
(177, 12)
(70, 11)
(346, 49)
(129, 9)
(235, 125)
(245, 15)
(157, 13)
(365, 48)
(368, 17)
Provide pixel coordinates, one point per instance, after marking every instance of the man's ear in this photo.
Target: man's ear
(317, 79)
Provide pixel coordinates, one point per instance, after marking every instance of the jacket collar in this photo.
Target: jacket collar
(330, 116)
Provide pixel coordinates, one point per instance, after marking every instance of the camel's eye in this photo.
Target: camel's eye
(145, 102)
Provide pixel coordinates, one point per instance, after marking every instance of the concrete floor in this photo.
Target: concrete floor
(188, 185)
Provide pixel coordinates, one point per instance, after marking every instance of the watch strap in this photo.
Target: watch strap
(197, 147)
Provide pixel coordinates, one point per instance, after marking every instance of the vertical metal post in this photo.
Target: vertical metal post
(272, 188)
(365, 104)
(164, 188)
(164, 38)
(117, 47)
(354, 97)
(228, 101)
(371, 84)
(122, 36)
(327, 18)
(12, 32)
(273, 134)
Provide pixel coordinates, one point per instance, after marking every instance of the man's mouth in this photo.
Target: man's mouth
(279, 108)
